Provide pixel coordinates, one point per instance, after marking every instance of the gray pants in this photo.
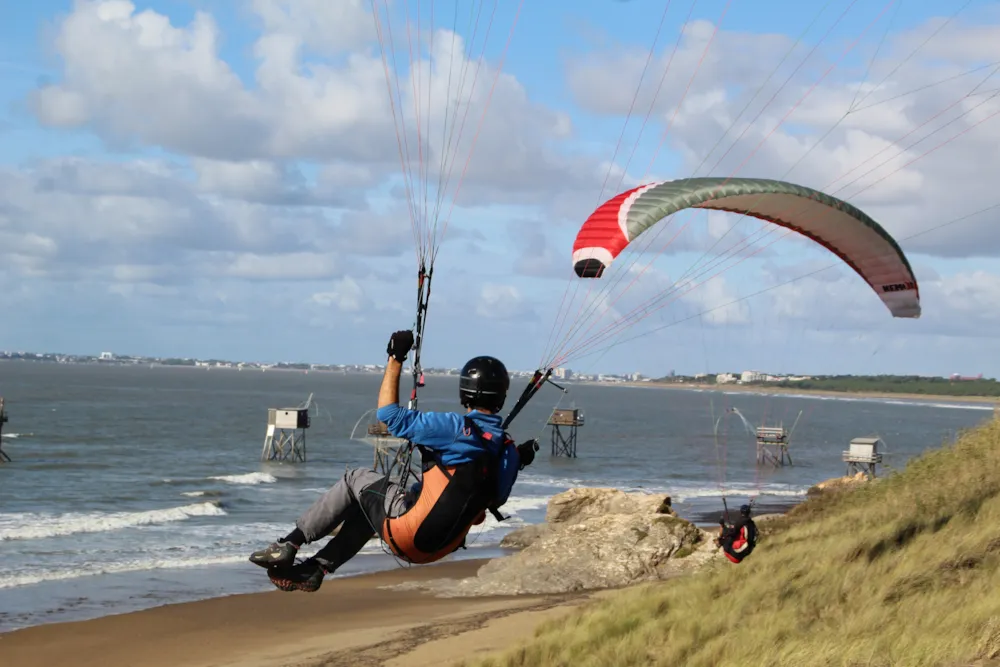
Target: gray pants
(342, 504)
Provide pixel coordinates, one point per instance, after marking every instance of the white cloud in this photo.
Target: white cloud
(71, 217)
(912, 162)
(279, 191)
(269, 182)
(501, 302)
(320, 25)
(134, 78)
(715, 298)
(346, 294)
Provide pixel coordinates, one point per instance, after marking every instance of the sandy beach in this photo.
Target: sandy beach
(351, 621)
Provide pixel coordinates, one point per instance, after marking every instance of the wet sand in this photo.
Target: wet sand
(348, 622)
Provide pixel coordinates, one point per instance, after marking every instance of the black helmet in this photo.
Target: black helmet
(483, 384)
(745, 510)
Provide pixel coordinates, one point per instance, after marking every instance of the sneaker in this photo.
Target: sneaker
(305, 576)
(277, 554)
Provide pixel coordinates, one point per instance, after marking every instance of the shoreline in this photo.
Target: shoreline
(356, 620)
(63, 635)
(230, 579)
(774, 391)
(690, 386)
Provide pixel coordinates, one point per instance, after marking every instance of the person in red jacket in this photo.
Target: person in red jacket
(739, 538)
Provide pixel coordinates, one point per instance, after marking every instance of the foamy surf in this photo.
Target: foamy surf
(92, 569)
(738, 489)
(200, 494)
(247, 478)
(39, 526)
(885, 400)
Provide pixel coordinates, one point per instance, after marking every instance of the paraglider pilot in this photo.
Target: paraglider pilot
(469, 467)
(739, 538)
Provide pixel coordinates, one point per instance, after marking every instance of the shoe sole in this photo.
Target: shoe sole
(288, 585)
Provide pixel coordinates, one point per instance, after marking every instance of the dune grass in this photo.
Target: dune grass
(903, 571)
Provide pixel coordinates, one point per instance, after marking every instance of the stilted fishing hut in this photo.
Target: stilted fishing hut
(863, 456)
(386, 446)
(286, 433)
(571, 419)
(772, 446)
(773, 442)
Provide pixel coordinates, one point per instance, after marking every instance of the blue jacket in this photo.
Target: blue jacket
(444, 433)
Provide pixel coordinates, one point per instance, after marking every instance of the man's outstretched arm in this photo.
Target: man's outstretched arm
(388, 393)
(423, 428)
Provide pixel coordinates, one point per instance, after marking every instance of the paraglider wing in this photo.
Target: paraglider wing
(836, 225)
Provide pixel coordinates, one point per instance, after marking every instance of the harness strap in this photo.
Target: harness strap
(427, 455)
(473, 428)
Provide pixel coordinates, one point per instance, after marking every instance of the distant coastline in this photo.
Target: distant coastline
(763, 389)
(374, 369)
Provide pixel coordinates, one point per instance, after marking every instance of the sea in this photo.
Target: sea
(136, 486)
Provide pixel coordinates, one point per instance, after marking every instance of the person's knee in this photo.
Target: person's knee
(355, 477)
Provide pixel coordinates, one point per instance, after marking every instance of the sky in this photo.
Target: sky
(225, 179)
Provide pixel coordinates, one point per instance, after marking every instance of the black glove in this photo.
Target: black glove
(400, 344)
(526, 450)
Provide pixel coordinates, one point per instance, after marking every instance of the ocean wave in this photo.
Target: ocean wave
(522, 503)
(686, 494)
(952, 406)
(20, 577)
(679, 492)
(247, 478)
(39, 526)
(10, 580)
(885, 400)
(200, 494)
(542, 480)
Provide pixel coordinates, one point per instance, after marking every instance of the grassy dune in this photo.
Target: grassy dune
(904, 571)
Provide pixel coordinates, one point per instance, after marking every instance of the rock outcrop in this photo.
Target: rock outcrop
(837, 484)
(593, 538)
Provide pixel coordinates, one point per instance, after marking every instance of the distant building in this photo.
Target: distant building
(751, 376)
(106, 356)
(725, 378)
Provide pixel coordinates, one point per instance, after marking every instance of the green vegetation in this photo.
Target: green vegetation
(173, 361)
(902, 571)
(889, 384)
(904, 384)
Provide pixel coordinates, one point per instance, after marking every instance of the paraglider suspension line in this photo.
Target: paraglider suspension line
(423, 299)
(537, 380)
(405, 455)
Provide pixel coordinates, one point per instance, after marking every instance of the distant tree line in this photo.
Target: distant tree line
(902, 384)
(176, 362)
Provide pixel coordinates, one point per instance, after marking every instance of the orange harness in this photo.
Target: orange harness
(452, 500)
(416, 535)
